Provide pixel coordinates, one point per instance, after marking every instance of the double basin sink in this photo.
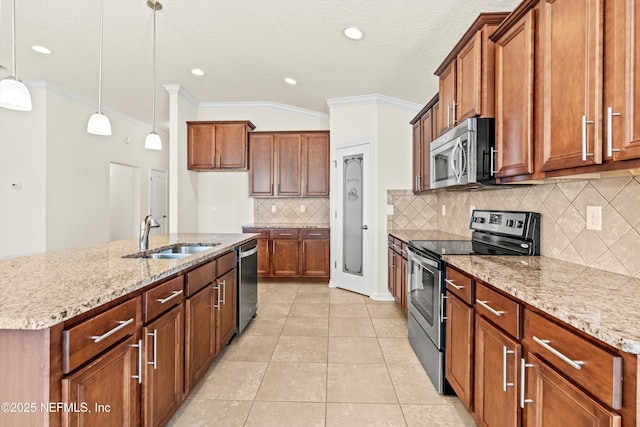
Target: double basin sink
(172, 252)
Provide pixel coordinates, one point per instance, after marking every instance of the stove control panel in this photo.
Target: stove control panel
(511, 223)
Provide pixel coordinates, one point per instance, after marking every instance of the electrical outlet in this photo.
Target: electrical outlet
(273, 208)
(16, 185)
(303, 209)
(594, 218)
(444, 210)
(389, 209)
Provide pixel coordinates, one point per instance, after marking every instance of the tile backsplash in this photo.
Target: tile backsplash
(563, 209)
(288, 211)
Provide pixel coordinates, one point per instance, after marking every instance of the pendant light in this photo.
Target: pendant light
(153, 141)
(99, 123)
(14, 94)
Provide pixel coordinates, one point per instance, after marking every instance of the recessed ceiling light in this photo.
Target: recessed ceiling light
(290, 81)
(353, 33)
(41, 49)
(197, 72)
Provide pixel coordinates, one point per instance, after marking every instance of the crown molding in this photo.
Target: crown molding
(182, 92)
(266, 104)
(376, 98)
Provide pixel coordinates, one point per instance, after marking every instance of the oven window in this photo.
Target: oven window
(424, 292)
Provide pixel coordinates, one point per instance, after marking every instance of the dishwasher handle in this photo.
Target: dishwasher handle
(249, 252)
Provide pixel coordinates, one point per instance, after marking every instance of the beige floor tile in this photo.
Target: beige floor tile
(354, 350)
(301, 349)
(251, 348)
(309, 310)
(398, 351)
(378, 302)
(273, 309)
(312, 298)
(384, 311)
(345, 327)
(231, 381)
(390, 327)
(311, 326)
(312, 288)
(265, 326)
(436, 416)
(279, 297)
(414, 386)
(359, 383)
(364, 415)
(346, 298)
(294, 382)
(289, 414)
(207, 412)
(352, 311)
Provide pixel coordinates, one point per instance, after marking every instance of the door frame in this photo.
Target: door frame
(166, 197)
(335, 216)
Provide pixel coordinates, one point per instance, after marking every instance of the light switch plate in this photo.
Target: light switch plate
(594, 218)
(389, 209)
(273, 208)
(444, 210)
(303, 209)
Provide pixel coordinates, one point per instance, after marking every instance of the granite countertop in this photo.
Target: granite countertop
(284, 225)
(406, 235)
(40, 291)
(602, 304)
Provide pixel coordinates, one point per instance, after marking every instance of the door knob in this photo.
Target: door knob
(365, 227)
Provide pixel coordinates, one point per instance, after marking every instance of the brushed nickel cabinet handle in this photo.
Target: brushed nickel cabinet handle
(505, 352)
(139, 347)
(450, 282)
(523, 366)
(170, 297)
(491, 309)
(585, 122)
(610, 115)
(492, 166)
(577, 364)
(122, 324)
(154, 334)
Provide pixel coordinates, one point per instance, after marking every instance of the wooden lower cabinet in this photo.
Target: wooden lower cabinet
(497, 357)
(459, 349)
(285, 258)
(225, 309)
(163, 382)
(552, 401)
(106, 392)
(264, 257)
(315, 258)
(200, 335)
(397, 271)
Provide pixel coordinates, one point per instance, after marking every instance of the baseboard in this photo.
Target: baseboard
(381, 296)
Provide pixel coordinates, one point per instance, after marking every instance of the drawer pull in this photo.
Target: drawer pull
(154, 334)
(491, 309)
(173, 295)
(284, 234)
(139, 347)
(453, 284)
(224, 291)
(523, 366)
(315, 234)
(505, 384)
(577, 364)
(122, 324)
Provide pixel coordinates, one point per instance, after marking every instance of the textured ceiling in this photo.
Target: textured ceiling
(246, 48)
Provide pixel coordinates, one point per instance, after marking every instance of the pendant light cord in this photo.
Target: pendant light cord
(100, 60)
(153, 89)
(13, 33)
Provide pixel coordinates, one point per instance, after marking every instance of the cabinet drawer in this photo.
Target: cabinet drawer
(264, 233)
(315, 233)
(86, 340)
(460, 285)
(597, 370)
(504, 312)
(226, 262)
(200, 277)
(285, 233)
(161, 298)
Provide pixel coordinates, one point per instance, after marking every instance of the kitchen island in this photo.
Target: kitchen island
(79, 328)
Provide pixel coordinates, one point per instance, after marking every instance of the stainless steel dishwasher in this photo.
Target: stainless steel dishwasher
(247, 284)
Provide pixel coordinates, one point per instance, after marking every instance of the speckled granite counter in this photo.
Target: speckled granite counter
(285, 225)
(42, 290)
(602, 304)
(406, 235)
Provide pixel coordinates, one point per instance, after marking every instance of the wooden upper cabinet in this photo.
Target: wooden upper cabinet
(622, 80)
(571, 36)
(288, 164)
(316, 164)
(514, 91)
(467, 74)
(217, 145)
(261, 164)
(424, 125)
(417, 155)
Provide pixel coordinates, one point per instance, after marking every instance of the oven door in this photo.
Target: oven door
(425, 295)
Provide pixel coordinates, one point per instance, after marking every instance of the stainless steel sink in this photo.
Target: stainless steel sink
(176, 251)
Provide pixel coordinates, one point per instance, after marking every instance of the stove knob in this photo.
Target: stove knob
(519, 224)
(510, 223)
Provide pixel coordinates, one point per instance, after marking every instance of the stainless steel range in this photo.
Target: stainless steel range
(494, 233)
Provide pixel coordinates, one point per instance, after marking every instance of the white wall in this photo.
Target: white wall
(73, 202)
(223, 198)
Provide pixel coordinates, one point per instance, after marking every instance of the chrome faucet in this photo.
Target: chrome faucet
(148, 223)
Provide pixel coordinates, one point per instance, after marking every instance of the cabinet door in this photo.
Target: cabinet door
(316, 164)
(403, 280)
(288, 159)
(514, 99)
(622, 80)
(201, 140)
(261, 165)
(315, 258)
(397, 280)
(571, 45)
(163, 384)
(459, 345)
(264, 256)
(106, 388)
(435, 120)
(496, 376)
(390, 269)
(468, 83)
(231, 146)
(558, 403)
(447, 98)
(200, 341)
(417, 156)
(285, 260)
(427, 125)
(226, 309)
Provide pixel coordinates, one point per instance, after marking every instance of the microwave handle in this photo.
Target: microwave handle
(464, 159)
(454, 159)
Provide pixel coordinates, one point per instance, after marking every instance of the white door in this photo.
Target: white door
(351, 217)
(123, 201)
(158, 199)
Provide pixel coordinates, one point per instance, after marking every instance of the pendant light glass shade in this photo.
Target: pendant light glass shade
(153, 141)
(14, 94)
(99, 124)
